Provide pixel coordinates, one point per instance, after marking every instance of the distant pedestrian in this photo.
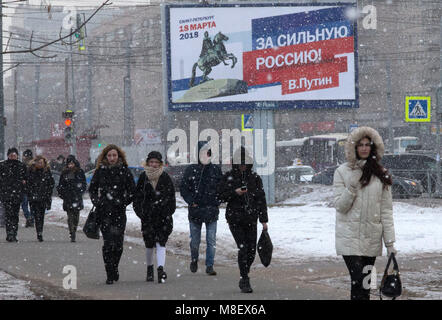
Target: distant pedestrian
(243, 191)
(27, 158)
(12, 189)
(89, 165)
(39, 187)
(111, 190)
(364, 211)
(198, 189)
(70, 188)
(155, 204)
(59, 164)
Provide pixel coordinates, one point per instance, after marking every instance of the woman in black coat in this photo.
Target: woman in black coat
(155, 204)
(243, 191)
(39, 189)
(70, 188)
(111, 190)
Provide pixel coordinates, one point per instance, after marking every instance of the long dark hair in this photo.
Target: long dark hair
(373, 167)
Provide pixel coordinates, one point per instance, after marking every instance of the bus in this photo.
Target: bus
(322, 151)
(401, 143)
(288, 150)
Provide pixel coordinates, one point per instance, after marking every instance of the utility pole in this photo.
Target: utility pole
(90, 92)
(389, 108)
(2, 100)
(439, 118)
(128, 128)
(15, 110)
(36, 111)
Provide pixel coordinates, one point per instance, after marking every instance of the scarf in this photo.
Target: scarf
(153, 174)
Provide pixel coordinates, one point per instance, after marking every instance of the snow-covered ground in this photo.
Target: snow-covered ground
(14, 289)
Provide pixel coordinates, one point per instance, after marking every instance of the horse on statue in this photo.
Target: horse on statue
(213, 57)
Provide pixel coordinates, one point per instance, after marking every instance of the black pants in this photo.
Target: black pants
(38, 212)
(245, 235)
(355, 265)
(11, 218)
(112, 228)
(73, 217)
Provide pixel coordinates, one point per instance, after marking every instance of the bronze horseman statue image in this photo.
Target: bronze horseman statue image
(212, 54)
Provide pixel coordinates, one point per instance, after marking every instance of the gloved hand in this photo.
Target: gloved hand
(391, 249)
(354, 182)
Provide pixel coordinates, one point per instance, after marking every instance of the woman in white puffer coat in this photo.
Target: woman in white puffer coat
(364, 211)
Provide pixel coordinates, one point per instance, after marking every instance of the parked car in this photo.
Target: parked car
(401, 188)
(413, 166)
(296, 173)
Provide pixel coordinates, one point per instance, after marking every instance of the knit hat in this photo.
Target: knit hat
(27, 153)
(154, 155)
(12, 150)
(70, 158)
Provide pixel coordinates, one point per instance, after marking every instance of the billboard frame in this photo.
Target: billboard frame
(252, 105)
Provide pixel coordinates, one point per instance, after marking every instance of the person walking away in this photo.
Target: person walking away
(364, 211)
(12, 189)
(155, 203)
(111, 190)
(27, 158)
(243, 191)
(198, 189)
(39, 188)
(70, 188)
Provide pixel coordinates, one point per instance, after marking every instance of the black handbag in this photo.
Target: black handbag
(265, 248)
(92, 226)
(391, 285)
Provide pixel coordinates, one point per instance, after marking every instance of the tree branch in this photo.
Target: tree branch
(32, 50)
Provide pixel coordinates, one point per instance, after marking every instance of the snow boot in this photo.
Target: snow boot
(162, 276)
(244, 285)
(149, 276)
(194, 266)
(210, 271)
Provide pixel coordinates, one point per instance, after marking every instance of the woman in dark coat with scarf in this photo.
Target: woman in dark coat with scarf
(70, 188)
(154, 204)
(111, 190)
(243, 191)
(39, 189)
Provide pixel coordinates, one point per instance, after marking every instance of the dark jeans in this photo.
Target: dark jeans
(38, 211)
(112, 228)
(245, 235)
(25, 208)
(73, 217)
(195, 240)
(355, 265)
(11, 218)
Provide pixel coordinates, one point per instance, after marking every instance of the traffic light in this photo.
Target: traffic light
(69, 135)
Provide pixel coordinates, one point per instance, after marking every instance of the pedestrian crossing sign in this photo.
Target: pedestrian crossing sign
(246, 122)
(418, 109)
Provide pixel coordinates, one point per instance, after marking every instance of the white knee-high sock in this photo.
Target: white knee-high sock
(149, 256)
(161, 255)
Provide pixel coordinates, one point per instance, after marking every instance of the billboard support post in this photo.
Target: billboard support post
(264, 120)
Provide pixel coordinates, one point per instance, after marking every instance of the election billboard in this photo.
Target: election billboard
(261, 56)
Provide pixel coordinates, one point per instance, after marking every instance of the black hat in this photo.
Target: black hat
(27, 153)
(70, 158)
(154, 155)
(12, 150)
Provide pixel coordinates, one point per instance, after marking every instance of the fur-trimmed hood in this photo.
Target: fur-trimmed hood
(33, 162)
(357, 135)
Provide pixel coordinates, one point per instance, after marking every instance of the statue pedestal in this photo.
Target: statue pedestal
(213, 89)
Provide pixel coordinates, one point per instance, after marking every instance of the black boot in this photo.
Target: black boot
(73, 237)
(40, 237)
(244, 285)
(149, 276)
(162, 276)
(109, 274)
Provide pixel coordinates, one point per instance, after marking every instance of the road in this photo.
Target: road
(42, 265)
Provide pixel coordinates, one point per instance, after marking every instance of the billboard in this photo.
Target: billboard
(261, 56)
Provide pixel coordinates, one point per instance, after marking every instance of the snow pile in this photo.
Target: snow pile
(14, 289)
